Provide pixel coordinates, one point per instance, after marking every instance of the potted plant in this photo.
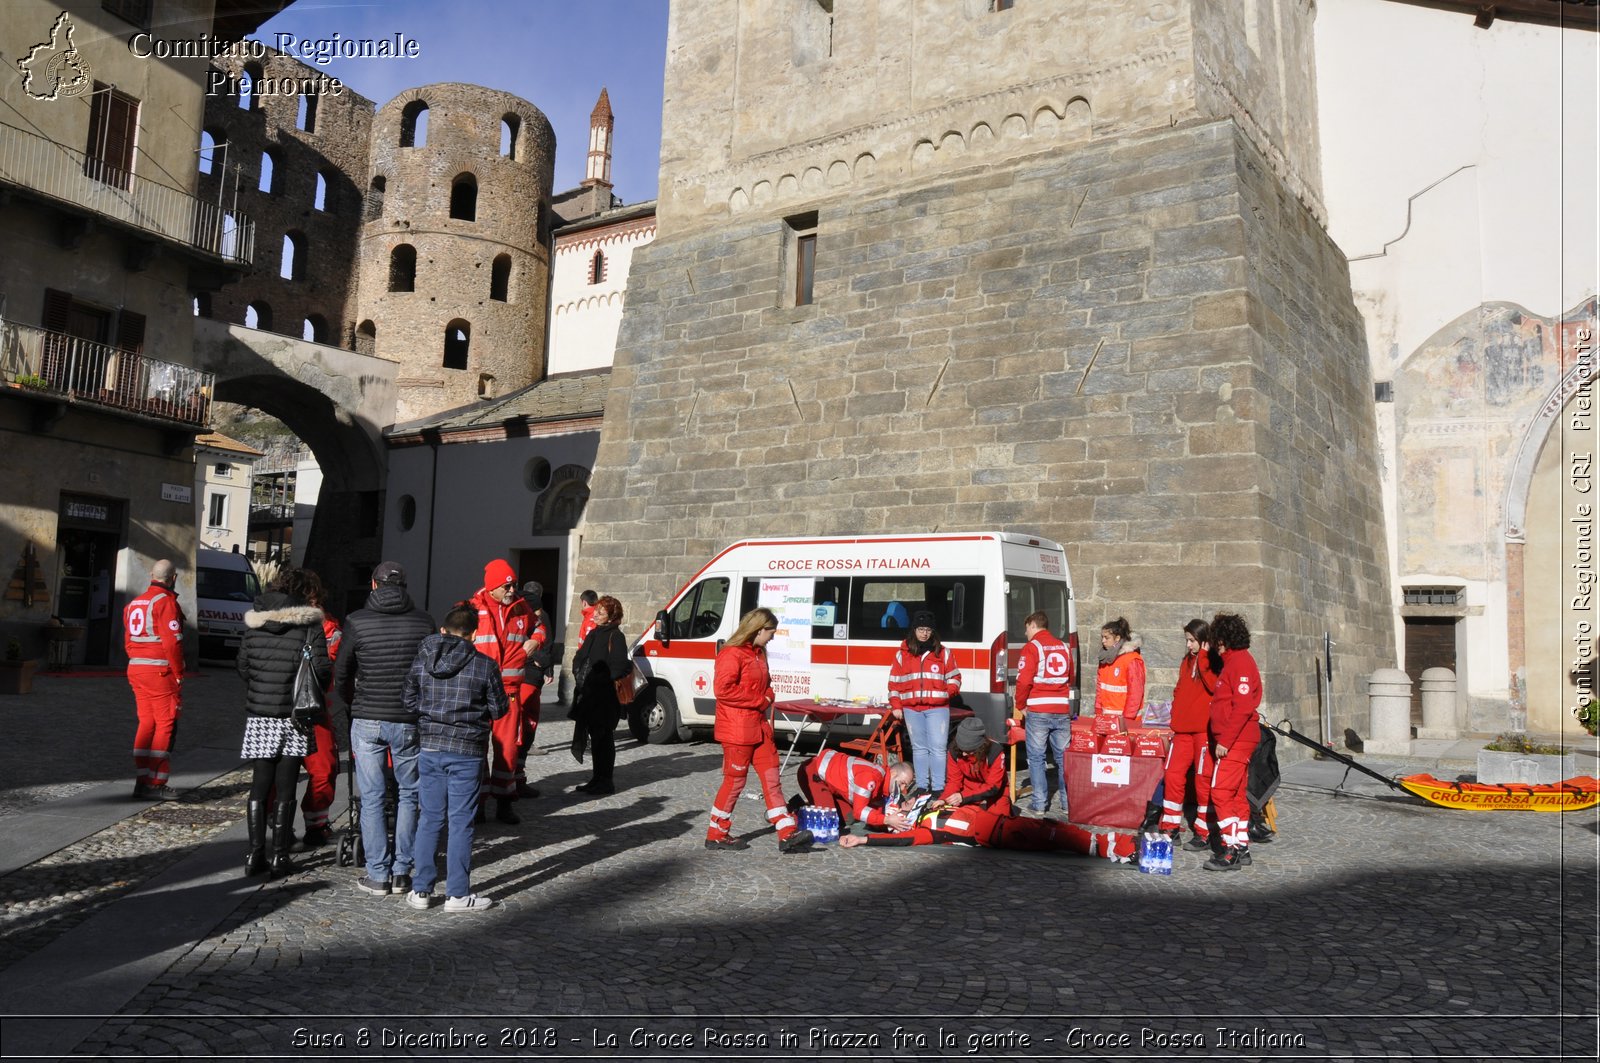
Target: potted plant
(16, 673)
(1512, 758)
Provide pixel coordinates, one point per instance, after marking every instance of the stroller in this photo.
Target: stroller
(351, 850)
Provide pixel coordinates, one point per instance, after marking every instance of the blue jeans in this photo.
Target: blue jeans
(371, 744)
(1052, 729)
(450, 784)
(930, 738)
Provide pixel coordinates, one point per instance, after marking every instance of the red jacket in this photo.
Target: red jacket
(1120, 684)
(587, 624)
(919, 682)
(861, 783)
(1191, 698)
(981, 784)
(335, 635)
(502, 637)
(152, 633)
(743, 688)
(1233, 706)
(1044, 675)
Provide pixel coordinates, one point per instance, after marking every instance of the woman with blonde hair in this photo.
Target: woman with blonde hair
(743, 687)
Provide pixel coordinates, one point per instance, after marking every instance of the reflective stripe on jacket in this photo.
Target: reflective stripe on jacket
(923, 681)
(861, 782)
(152, 632)
(1044, 675)
(502, 636)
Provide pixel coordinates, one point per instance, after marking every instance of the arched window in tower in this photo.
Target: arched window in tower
(314, 329)
(258, 315)
(464, 197)
(293, 267)
(208, 151)
(414, 125)
(375, 197)
(457, 338)
(500, 279)
(202, 304)
(597, 267)
(269, 173)
(510, 127)
(319, 199)
(248, 100)
(367, 338)
(305, 115)
(403, 269)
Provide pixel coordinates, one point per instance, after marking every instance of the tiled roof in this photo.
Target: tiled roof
(218, 441)
(558, 398)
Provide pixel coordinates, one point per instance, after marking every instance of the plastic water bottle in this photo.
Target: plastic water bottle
(831, 824)
(1164, 851)
(808, 818)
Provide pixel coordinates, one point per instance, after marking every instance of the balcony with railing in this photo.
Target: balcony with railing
(55, 363)
(53, 171)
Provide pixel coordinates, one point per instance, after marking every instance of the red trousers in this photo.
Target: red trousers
(322, 778)
(156, 700)
(1191, 751)
(530, 728)
(1228, 794)
(995, 831)
(736, 763)
(505, 748)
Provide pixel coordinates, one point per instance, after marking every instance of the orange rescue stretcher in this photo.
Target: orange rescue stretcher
(1569, 795)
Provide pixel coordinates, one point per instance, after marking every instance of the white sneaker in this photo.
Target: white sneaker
(420, 901)
(472, 902)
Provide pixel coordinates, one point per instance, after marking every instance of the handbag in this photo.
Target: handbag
(309, 700)
(624, 687)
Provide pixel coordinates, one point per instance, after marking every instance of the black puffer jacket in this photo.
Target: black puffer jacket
(380, 642)
(269, 654)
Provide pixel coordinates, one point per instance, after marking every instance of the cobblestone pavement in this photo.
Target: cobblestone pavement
(1372, 927)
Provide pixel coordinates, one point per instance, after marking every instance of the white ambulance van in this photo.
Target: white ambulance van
(225, 586)
(844, 606)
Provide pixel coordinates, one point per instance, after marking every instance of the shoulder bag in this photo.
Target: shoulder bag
(309, 701)
(625, 684)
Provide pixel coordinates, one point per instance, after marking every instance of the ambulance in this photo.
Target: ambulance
(844, 606)
(225, 587)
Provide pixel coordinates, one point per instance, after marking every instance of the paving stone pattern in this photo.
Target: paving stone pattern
(1373, 926)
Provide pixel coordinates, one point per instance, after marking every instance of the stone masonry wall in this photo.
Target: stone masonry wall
(1144, 348)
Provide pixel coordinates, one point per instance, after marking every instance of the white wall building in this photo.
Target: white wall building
(223, 469)
(1459, 159)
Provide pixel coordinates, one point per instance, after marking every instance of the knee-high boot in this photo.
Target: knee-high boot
(256, 824)
(282, 836)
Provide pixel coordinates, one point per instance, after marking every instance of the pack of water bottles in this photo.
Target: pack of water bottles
(823, 823)
(1155, 853)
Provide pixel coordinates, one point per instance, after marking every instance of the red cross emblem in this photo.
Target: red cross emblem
(700, 683)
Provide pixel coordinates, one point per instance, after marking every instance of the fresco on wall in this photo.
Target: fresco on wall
(1463, 401)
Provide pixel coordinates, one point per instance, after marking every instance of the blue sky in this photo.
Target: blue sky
(556, 54)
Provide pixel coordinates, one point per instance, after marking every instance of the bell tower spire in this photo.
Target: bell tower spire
(601, 124)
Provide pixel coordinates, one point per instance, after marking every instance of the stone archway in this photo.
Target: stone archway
(337, 402)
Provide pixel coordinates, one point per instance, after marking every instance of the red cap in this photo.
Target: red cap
(498, 573)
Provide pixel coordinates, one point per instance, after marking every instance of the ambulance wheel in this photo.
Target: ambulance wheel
(655, 721)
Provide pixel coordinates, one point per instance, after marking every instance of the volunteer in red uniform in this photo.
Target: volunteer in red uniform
(743, 688)
(858, 788)
(152, 630)
(991, 830)
(1234, 737)
(1190, 752)
(502, 636)
(1044, 703)
(1119, 687)
(922, 680)
(975, 771)
(322, 763)
(587, 624)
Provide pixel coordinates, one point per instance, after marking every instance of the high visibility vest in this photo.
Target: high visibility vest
(152, 632)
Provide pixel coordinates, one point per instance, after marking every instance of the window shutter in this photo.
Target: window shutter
(130, 331)
(57, 308)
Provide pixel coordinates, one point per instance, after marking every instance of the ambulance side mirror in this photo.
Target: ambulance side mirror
(662, 630)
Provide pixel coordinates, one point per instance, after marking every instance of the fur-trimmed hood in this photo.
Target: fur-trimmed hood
(277, 613)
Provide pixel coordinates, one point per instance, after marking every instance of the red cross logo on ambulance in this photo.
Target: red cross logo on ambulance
(701, 682)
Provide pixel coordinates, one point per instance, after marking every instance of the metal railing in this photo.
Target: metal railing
(104, 375)
(57, 172)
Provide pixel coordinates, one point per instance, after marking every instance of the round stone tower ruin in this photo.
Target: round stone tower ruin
(455, 256)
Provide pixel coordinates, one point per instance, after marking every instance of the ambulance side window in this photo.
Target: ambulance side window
(1028, 595)
(830, 609)
(881, 609)
(698, 614)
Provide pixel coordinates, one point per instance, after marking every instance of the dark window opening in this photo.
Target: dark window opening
(500, 279)
(882, 609)
(403, 269)
(248, 98)
(113, 128)
(801, 268)
(510, 126)
(597, 268)
(457, 340)
(375, 197)
(414, 125)
(305, 117)
(293, 267)
(202, 305)
(464, 197)
(366, 338)
(319, 198)
(269, 173)
(258, 315)
(315, 329)
(134, 12)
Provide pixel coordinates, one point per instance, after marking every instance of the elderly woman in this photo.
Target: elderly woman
(282, 624)
(596, 667)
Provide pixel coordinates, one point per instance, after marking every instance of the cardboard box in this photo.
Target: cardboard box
(1148, 744)
(1083, 741)
(1119, 745)
(1109, 723)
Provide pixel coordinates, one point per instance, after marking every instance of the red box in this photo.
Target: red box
(1109, 723)
(1083, 741)
(1117, 745)
(1149, 745)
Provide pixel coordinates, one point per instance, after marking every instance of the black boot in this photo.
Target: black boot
(282, 838)
(256, 824)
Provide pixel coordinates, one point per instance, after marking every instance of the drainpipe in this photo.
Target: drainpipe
(432, 438)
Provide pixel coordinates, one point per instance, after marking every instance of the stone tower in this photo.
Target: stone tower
(455, 259)
(602, 123)
(1060, 268)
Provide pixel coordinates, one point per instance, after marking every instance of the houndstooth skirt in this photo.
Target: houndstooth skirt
(266, 737)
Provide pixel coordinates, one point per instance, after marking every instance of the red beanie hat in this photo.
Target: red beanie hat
(498, 573)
